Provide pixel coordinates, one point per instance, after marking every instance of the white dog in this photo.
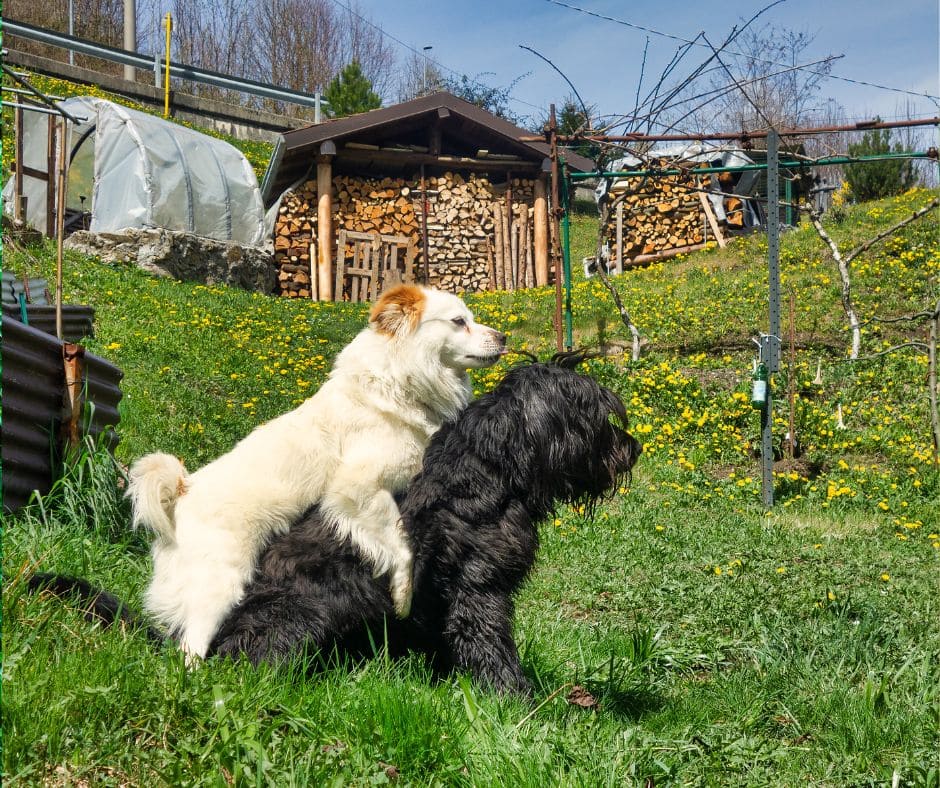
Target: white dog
(350, 448)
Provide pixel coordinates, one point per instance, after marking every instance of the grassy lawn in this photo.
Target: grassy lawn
(719, 644)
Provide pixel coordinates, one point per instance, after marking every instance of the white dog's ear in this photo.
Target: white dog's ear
(398, 310)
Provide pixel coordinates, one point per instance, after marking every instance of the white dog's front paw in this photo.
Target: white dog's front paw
(402, 592)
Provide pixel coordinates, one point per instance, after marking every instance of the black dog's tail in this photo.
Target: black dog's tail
(97, 604)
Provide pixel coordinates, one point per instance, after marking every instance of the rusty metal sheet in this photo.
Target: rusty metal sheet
(33, 386)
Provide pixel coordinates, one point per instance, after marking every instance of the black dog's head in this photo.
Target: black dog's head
(555, 435)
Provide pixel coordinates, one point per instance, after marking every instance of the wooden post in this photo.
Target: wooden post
(556, 216)
(424, 228)
(619, 268)
(540, 231)
(498, 242)
(73, 361)
(325, 227)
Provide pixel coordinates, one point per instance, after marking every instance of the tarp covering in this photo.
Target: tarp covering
(134, 170)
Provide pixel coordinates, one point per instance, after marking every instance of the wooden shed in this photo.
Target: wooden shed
(433, 190)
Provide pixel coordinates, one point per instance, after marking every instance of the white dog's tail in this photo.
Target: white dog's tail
(156, 482)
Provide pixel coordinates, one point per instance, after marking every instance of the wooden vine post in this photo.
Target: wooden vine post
(325, 221)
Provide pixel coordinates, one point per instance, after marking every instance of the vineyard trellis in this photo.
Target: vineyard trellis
(769, 343)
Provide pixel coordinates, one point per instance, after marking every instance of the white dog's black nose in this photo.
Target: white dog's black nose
(500, 338)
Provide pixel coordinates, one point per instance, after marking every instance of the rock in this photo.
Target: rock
(182, 256)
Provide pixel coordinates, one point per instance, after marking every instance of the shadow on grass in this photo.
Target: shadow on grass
(625, 694)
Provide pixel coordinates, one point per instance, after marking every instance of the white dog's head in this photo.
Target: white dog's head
(440, 322)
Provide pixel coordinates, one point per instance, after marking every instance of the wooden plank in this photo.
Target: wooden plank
(314, 279)
(498, 245)
(712, 220)
(491, 270)
(411, 252)
(514, 252)
(340, 265)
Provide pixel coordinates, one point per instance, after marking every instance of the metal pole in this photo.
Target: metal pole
(168, 22)
(426, 50)
(59, 224)
(739, 136)
(790, 164)
(770, 342)
(19, 213)
(71, 29)
(130, 36)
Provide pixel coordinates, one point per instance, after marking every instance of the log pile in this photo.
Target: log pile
(479, 234)
(294, 239)
(659, 216)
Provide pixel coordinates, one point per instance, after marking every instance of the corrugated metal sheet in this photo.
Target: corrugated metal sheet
(37, 293)
(33, 387)
(78, 321)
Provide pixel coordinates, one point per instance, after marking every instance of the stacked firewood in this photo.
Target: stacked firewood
(294, 236)
(383, 206)
(479, 234)
(659, 216)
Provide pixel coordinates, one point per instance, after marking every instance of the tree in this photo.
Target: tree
(351, 92)
(759, 80)
(492, 99)
(876, 179)
(572, 120)
(419, 77)
(101, 21)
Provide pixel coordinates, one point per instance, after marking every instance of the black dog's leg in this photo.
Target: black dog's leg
(270, 627)
(478, 631)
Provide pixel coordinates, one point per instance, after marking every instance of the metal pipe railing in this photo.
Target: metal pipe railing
(178, 70)
(788, 164)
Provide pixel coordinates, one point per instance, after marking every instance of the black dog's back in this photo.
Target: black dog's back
(311, 592)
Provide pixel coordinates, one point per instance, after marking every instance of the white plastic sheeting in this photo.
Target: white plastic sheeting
(146, 172)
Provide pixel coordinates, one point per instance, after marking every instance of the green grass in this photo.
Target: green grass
(723, 645)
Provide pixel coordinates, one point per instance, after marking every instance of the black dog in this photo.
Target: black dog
(545, 435)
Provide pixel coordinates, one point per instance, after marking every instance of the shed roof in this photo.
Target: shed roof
(400, 137)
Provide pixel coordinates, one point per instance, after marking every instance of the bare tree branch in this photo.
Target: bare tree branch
(893, 229)
(846, 279)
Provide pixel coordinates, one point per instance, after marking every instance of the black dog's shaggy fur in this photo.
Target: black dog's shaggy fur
(545, 435)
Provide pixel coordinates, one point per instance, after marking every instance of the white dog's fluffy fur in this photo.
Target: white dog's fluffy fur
(350, 448)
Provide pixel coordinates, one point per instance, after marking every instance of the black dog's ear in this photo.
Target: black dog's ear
(571, 358)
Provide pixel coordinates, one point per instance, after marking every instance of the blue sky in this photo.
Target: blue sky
(888, 43)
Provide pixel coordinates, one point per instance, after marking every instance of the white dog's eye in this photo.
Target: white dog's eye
(458, 321)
